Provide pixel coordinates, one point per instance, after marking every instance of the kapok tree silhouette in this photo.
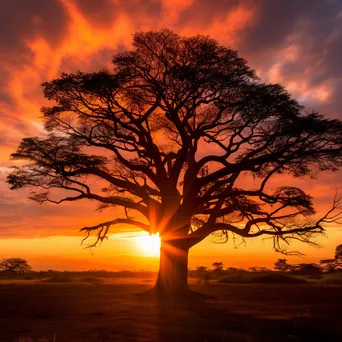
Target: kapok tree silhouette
(185, 138)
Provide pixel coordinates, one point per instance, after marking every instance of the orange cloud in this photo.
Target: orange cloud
(286, 42)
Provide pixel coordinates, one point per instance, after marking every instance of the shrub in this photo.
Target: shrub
(60, 278)
(91, 280)
(278, 279)
(257, 278)
(238, 277)
(332, 278)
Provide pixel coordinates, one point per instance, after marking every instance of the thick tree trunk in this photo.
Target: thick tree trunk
(173, 271)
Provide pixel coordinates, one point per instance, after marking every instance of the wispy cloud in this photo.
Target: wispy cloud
(297, 43)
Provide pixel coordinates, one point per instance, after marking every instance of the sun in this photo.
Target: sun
(149, 244)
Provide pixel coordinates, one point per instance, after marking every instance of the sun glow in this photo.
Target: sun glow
(149, 244)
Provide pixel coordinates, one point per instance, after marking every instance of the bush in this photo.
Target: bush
(60, 278)
(332, 278)
(257, 278)
(29, 277)
(312, 271)
(91, 280)
(238, 277)
(278, 279)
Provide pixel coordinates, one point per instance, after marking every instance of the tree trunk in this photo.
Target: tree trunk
(173, 271)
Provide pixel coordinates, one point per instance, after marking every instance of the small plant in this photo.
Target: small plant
(91, 280)
(27, 339)
(60, 278)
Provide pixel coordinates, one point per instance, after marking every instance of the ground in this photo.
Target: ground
(119, 312)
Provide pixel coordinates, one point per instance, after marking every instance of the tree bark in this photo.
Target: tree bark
(173, 271)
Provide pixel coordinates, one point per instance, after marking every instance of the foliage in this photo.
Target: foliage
(258, 269)
(282, 265)
(14, 265)
(201, 269)
(332, 278)
(331, 265)
(60, 278)
(309, 269)
(338, 252)
(90, 280)
(170, 132)
(218, 266)
(203, 274)
(257, 278)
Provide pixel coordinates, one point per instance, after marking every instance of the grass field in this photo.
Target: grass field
(121, 311)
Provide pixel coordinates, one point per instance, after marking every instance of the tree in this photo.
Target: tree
(203, 274)
(202, 269)
(331, 265)
(218, 266)
(15, 265)
(281, 265)
(338, 252)
(185, 140)
(311, 270)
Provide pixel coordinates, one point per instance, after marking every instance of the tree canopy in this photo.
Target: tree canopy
(338, 252)
(174, 132)
(15, 265)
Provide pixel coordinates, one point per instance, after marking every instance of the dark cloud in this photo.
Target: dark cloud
(273, 21)
(104, 12)
(99, 60)
(100, 12)
(203, 13)
(317, 30)
(5, 97)
(313, 28)
(20, 217)
(22, 20)
(7, 140)
(13, 122)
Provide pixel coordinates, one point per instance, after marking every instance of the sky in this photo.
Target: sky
(297, 43)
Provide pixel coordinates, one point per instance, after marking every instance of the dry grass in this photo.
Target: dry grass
(76, 312)
(27, 339)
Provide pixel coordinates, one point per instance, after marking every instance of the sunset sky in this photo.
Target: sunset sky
(294, 42)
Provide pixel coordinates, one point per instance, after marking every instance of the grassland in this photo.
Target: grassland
(121, 310)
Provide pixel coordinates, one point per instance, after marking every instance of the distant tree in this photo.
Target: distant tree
(173, 133)
(232, 269)
(331, 265)
(203, 274)
(281, 265)
(201, 268)
(338, 252)
(258, 269)
(15, 265)
(218, 266)
(308, 269)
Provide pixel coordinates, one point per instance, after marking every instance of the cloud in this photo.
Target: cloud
(104, 12)
(302, 44)
(296, 43)
(204, 13)
(22, 21)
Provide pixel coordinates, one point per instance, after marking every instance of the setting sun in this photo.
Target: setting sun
(149, 244)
